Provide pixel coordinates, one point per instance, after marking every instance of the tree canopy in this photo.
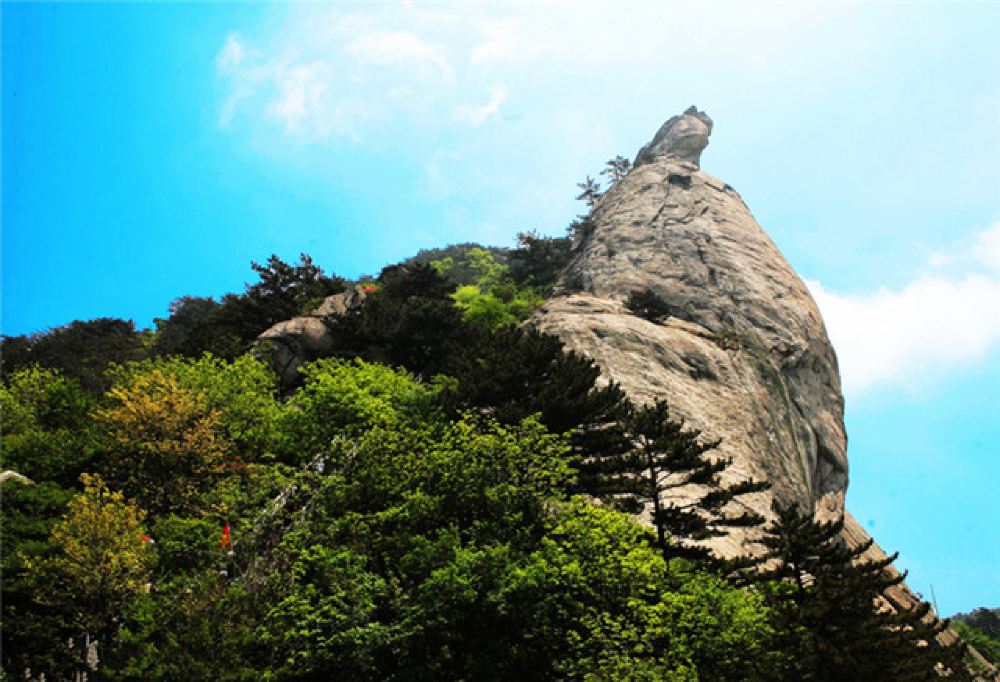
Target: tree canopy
(449, 494)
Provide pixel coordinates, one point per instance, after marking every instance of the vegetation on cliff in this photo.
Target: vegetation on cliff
(411, 511)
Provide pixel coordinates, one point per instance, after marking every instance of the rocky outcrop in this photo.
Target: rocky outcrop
(15, 477)
(292, 343)
(683, 137)
(744, 355)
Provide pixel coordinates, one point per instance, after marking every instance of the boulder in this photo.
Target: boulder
(292, 343)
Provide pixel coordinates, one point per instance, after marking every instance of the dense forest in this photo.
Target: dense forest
(447, 495)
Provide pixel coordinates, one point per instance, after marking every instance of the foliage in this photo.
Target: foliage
(102, 561)
(442, 552)
(190, 628)
(347, 398)
(244, 392)
(981, 629)
(826, 604)
(499, 307)
(282, 292)
(648, 305)
(30, 512)
(608, 606)
(580, 229)
(537, 261)
(667, 468)
(518, 372)
(462, 269)
(405, 513)
(79, 350)
(45, 424)
(590, 191)
(227, 328)
(184, 545)
(195, 326)
(492, 299)
(166, 445)
(616, 169)
(411, 321)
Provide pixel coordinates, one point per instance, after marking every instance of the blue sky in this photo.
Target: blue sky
(152, 151)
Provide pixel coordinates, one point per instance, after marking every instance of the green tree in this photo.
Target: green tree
(460, 269)
(102, 562)
(46, 426)
(599, 602)
(616, 169)
(195, 326)
(829, 603)
(411, 321)
(514, 373)
(649, 305)
(341, 398)
(538, 261)
(487, 295)
(28, 629)
(668, 469)
(80, 350)
(282, 292)
(228, 328)
(981, 629)
(590, 191)
(166, 443)
(243, 391)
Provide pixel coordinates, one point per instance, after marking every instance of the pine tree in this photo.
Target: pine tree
(616, 169)
(649, 305)
(513, 373)
(832, 613)
(662, 465)
(410, 321)
(590, 191)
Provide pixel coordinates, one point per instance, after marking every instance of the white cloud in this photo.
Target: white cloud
(369, 56)
(301, 88)
(401, 49)
(931, 325)
(476, 116)
(232, 54)
(503, 41)
(987, 247)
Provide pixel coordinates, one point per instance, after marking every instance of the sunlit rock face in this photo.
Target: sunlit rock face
(744, 356)
(683, 137)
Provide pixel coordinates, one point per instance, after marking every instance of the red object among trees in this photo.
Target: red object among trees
(226, 541)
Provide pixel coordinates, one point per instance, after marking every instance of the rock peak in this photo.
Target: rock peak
(684, 136)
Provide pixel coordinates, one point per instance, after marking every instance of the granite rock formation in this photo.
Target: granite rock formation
(743, 356)
(292, 343)
(684, 137)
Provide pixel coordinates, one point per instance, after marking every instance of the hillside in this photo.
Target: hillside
(614, 456)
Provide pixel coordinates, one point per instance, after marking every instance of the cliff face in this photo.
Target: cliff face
(744, 355)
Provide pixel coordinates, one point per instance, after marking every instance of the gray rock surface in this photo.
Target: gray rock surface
(9, 475)
(744, 356)
(683, 137)
(292, 343)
